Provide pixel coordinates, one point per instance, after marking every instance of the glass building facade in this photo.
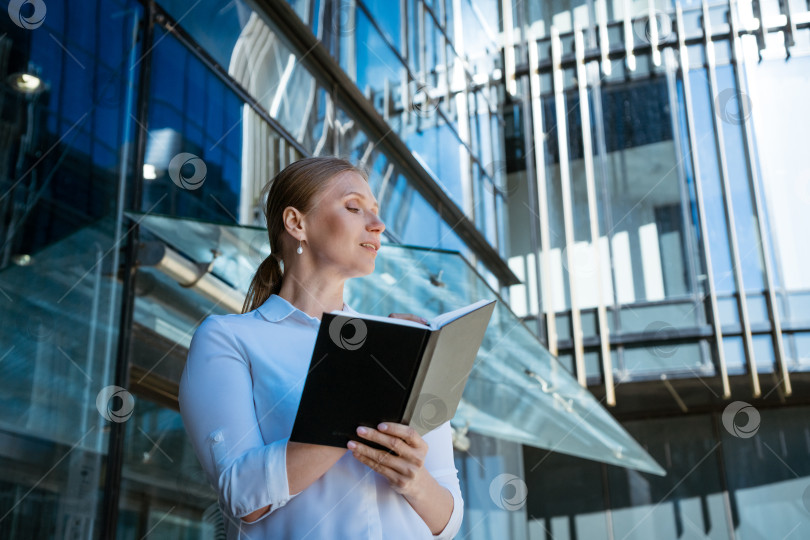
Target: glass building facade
(628, 178)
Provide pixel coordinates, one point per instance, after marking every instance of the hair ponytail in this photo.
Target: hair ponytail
(266, 281)
(296, 186)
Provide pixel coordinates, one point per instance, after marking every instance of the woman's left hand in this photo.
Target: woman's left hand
(404, 469)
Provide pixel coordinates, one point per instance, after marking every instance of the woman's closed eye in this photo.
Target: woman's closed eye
(350, 209)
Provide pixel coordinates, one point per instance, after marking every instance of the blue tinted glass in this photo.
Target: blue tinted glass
(376, 62)
(386, 15)
(192, 165)
(214, 25)
(711, 182)
(731, 120)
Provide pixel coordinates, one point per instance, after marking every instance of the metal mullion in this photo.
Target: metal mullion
(704, 234)
(543, 263)
(629, 40)
(604, 42)
(404, 53)
(447, 93)
(111, 494)
(508, 47)
(567, 207)
(442, 28)
(420, 21)
(351, 53)
(728, 206)
(773, 311)
(652, 22)
(587, 151)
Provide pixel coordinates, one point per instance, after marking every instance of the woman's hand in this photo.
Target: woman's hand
(404, 469)
(410, 317)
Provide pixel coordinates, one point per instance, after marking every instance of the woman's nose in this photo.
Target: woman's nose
(376, 224)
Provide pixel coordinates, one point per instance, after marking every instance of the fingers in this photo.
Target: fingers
(410, 317)
(409, 447)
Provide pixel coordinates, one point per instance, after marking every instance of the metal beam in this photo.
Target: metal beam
(593, 216)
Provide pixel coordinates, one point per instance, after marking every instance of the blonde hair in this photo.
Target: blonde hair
(297, 186)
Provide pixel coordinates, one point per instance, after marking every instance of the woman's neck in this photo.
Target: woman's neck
(314, 297)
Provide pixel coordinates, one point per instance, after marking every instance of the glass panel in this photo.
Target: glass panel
(214, 26)
(661, 356)
(488, 464)
(735, 355)
(164, 490)
(769, 485)
(728, 313)
(376, 62)
(688, 502)
(386, 15)
(559, 289)
(193, 156)
(802, 347)
(763, 353)
(711, 183)
(782, 122)
(66, 152)
(643, 195)
(440, 151)
(565, 497)
(729, 102)
(480, 31)
(653, 318)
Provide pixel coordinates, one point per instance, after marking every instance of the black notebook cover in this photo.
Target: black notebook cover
(363, 372)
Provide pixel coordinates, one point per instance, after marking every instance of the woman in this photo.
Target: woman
(243, 380)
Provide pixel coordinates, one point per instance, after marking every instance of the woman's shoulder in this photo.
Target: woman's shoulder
(231, 323)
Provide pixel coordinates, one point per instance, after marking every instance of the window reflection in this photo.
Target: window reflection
(192, 165)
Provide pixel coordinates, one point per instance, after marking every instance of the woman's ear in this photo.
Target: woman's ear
(293, 221)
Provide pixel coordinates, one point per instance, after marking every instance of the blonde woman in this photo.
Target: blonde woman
(243, 380)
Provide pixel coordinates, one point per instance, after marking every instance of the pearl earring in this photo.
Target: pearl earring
(300, 250)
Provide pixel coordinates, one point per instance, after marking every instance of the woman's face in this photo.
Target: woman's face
(343, 229)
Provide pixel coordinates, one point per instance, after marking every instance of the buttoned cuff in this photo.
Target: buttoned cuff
(256, 480)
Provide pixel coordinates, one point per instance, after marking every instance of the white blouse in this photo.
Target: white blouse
(239, 394)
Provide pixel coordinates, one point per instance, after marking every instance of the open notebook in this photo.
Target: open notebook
(368, 369)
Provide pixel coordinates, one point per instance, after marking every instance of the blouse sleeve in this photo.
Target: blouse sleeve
(216, 404)
(439, 463)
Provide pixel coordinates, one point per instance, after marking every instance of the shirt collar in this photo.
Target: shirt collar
(276, 309)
